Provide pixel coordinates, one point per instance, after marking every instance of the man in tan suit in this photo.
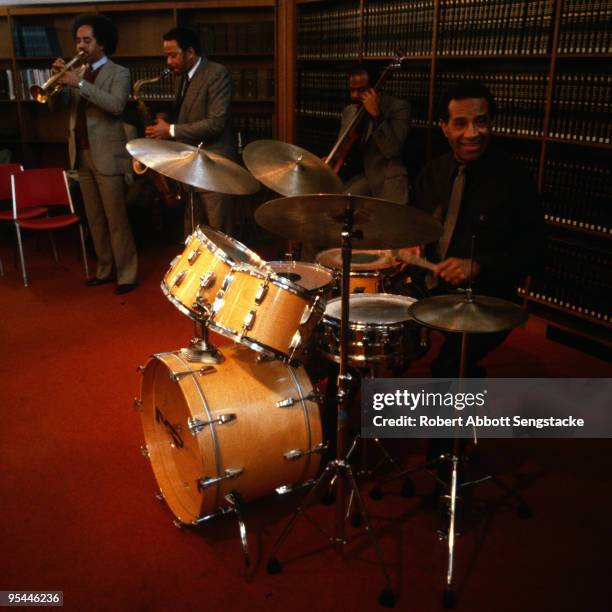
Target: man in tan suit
(202, 112)
(96, 97)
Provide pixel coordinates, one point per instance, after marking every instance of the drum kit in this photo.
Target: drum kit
(224, 426)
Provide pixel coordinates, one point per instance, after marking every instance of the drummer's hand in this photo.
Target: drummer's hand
(160, 129)
(456, 271)
(371, 102)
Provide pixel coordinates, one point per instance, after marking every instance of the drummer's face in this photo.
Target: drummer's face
(181, 61)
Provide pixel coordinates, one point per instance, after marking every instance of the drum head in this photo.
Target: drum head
(361, 259)
(233, 249)
(310, 276)
(373, 308)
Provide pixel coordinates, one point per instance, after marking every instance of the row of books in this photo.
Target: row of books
(403, 27)
(249, 128)
(323, 93)
(328, 33)
(582, 108)
(237, 38)
(529, 161)
(162, 90)
(578, 195)
(585, 27)
(7, 90)
(575, 279)
(253, 83)
(35, 41)
(28, 77)
(502, 27)
(520, 98)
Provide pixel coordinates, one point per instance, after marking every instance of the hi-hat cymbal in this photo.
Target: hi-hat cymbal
(289, 170)
(193, 166)
(457, 313)
(320, 219)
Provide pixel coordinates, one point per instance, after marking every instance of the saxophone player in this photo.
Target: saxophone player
(97, 97)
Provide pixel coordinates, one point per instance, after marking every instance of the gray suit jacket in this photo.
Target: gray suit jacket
(384, 167)
(205, 115)
(106, 99)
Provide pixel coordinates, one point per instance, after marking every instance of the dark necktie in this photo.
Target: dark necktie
(452, 213)
(181, 96)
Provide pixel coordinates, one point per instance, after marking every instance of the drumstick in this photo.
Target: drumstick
(415, 260)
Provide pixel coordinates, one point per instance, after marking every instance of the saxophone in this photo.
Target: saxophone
(170, 193)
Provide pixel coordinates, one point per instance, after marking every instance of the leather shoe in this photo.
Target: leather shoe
(94, 281)
(121, 289)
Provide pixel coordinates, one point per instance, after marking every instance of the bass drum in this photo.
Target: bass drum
(245, 425)
(195, 276)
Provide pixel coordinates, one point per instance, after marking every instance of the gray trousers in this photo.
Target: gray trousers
(210, 208)
(104, 199)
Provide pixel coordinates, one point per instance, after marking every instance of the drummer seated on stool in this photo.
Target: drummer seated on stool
(477, 191)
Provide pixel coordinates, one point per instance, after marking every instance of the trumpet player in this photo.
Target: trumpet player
(96, 95)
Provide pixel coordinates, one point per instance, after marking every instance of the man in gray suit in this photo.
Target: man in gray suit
(381, 169)
(202, 111)
(97, 96)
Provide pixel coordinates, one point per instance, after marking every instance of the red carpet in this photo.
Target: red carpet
(78, 512)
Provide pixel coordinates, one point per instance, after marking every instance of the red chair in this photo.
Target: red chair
(47, 187)
(6, 170)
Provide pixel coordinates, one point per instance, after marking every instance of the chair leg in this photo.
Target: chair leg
(20, 245)
(52, 239)
(84, 251)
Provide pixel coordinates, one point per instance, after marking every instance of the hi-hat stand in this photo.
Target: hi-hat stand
(338, 473)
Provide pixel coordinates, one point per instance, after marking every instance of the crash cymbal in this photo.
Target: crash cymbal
(319, 219)
(289, 170)
(478, 314)
(193, 166)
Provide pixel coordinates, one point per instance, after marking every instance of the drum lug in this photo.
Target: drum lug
(145, 452)
(188, 240)
(308, 311)
(196, 425)
(177, 524)
(207, 280)
(137, 404)
(230, 473)
(193, 256)
(313, 396)
(261, 293)
(295, 341)
(180, 278)
(227, 281)
(175, 261)
(297, 453)
(207, 369)
(249, 321)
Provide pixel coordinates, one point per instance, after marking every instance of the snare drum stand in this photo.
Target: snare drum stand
(339, 472)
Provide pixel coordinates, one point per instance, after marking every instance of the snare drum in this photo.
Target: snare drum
(195, 276)
(310, 276)
(243, 424)
(369, 268)
(266, 312)
(382, 331)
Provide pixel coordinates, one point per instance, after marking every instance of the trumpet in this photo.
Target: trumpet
(42, 93)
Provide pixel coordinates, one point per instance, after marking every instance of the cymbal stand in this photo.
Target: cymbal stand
(338, 472)
(199, 349)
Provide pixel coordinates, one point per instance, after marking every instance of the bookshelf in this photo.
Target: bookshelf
(243, 35)
(547, 62)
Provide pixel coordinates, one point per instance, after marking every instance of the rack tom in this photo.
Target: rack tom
(195, 276)
(370, 269)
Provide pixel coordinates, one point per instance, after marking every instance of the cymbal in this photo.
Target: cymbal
(320, 219)
(457, 313)
(193, 166)
(289, 170)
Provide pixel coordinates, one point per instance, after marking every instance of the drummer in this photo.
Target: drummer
(477, 191)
